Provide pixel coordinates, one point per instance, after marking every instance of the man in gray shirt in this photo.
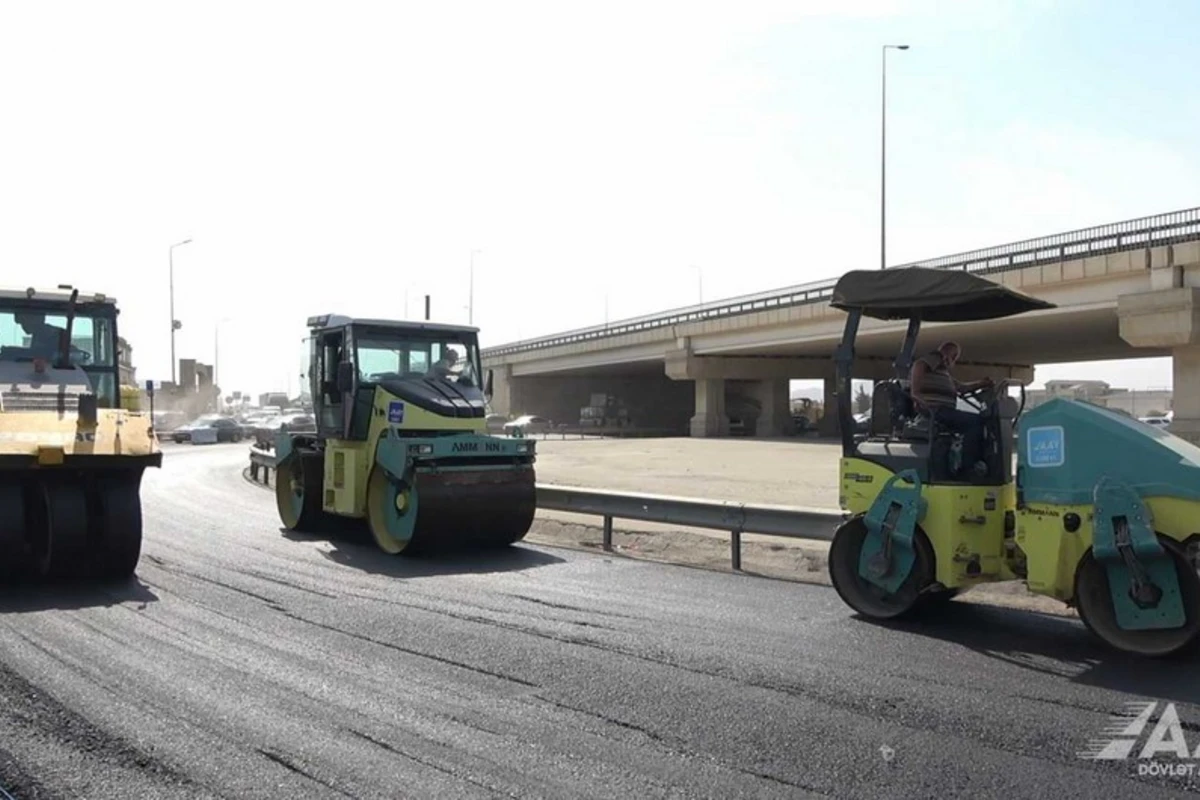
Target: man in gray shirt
(936, 392)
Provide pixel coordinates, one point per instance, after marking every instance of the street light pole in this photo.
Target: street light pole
(217, 359)
(217, 349)
(883, 153)
(174, 322)
(699, 282)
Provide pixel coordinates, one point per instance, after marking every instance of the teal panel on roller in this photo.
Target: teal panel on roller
(1067, 446)
(1115, 501)
(906, 507)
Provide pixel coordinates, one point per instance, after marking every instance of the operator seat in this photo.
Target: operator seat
(901, 436)
(910, 422)
(894, 414)
(918, 426)
(883, 415)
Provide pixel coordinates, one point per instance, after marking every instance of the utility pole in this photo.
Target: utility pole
(883, 154)
(174, 322)
(217, 348)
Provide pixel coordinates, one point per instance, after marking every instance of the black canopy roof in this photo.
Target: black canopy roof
(933, 295)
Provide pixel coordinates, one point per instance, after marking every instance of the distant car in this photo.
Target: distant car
(228, 430)
(1158, 422)
(264, 432)
(495, 423)
(529, 423)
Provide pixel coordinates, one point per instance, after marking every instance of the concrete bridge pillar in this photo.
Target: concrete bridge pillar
(828, 426)
(1170, 318)
(710, 418)
(775, 417)
(1185, 392)
(505, 391)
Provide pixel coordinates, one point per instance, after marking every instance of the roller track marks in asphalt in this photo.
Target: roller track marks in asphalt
(248, 662)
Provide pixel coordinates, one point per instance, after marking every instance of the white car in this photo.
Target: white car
(1161, 423)
(528, 424)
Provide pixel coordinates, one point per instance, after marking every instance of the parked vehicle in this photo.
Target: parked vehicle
(264, 432)
(228, 430)
(528, 424)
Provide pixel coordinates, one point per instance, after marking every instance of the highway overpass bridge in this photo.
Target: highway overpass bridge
(1123, 290)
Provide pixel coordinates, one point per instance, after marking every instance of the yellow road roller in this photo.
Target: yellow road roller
(1099, 511)
(400, 441)
(71, 459)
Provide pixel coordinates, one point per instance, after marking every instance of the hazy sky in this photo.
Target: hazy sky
(336, 157)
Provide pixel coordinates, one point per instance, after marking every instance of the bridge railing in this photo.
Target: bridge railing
(789, 522)
(1158, 229)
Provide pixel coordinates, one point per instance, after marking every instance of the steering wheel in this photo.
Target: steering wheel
(979, 398)
(986, 397)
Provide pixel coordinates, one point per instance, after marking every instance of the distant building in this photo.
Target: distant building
(125, 362)
(1135, 402)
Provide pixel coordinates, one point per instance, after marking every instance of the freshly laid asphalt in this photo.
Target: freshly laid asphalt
(246, 662)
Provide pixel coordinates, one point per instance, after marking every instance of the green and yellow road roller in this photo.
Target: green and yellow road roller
(1100, 511)
(71, 459)
(400, 441)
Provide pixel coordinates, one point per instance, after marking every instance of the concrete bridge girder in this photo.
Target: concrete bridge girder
(1137, 291)
(1072, 282)
(682, 366)
(1170, 318)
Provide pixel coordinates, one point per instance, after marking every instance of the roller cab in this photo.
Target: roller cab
(71, 458)
(401, 443)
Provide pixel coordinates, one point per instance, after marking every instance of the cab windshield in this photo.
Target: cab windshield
(451, 357)
(27, 334)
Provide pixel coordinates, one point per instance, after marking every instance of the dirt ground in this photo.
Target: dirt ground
(768, 471)
(793, 472)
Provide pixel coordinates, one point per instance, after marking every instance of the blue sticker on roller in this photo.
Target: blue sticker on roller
(1046, 447)
(396, 412)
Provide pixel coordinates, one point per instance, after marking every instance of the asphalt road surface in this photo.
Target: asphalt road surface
(247, 663)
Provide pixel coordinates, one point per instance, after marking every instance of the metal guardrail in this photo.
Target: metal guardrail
(262, 463)
(1134, 234)
(737, 518)
(791, 522)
